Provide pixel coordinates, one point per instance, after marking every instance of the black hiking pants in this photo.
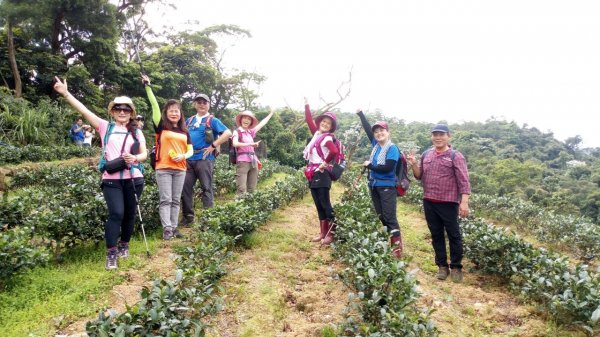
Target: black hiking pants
(120, 201)
(443, 216)
(322, 201)
(384, 202)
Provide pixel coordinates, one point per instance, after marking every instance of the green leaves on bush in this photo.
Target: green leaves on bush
(34, 153)
(17, 253)
(385, 291)
(577, 234)
(569, 295)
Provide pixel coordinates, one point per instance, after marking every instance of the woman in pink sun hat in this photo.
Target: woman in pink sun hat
(247, 163)
(320, 153)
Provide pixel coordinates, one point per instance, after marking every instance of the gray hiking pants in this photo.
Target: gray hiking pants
(170, 185)
(197, 170)
(246, 177)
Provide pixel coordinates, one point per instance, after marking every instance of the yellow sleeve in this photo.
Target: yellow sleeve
(190, 151)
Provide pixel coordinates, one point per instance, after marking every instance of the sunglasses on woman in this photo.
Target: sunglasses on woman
(124, 108)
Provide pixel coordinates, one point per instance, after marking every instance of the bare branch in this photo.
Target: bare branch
(342, 95)
(346, 86)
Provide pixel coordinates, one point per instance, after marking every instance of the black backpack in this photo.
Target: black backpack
(233, 150)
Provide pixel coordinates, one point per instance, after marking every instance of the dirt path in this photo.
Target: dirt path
(480, 306)
(281, 284)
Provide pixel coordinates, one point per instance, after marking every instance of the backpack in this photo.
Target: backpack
(402, 180)
(209, 136)
(339, 163)
(155, 152)
(232, 150)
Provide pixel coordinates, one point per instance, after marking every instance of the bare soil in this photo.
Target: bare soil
(284, 285)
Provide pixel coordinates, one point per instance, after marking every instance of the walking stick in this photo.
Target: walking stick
(137, 204)
(356, 181)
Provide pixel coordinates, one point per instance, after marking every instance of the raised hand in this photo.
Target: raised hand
(410, 157)
(145, 79)
(60, 87)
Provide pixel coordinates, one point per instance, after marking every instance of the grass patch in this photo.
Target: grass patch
(49, 298)
(328, 332)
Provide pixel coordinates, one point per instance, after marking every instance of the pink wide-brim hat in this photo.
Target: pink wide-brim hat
(331, 115)
(238, 119)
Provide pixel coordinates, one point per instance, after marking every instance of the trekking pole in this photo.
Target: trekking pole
(356, 181)
(137, 204)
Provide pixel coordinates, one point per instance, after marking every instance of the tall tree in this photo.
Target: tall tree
(12, 59)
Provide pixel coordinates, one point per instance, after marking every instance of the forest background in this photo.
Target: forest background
(93, 45)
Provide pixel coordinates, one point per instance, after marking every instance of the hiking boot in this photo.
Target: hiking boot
(442, 273)
(396, 245)
(328, 239)
(177, 234)
(321, 236)
(111, 258)
(167, 234)
(456, 275)
(123, 250)
(187, 221)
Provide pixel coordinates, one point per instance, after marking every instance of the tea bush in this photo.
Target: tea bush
(386, 293)
(35, 153)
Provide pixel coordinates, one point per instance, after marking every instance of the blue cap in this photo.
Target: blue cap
(440, 128)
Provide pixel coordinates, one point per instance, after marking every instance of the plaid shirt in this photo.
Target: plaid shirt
(444, 179)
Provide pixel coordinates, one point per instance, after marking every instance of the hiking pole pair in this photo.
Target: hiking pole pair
(137, 204)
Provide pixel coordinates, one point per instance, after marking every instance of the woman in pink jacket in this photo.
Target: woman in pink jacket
(320, 154)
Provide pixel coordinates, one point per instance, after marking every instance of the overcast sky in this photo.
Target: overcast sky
(528, 61)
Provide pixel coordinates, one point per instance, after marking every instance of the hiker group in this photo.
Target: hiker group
(184, 152)
(442, 170)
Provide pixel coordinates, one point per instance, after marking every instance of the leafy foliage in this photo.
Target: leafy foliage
(569, 295)
(386, 292)
(17, 253)
(576, 234)
(35, 153)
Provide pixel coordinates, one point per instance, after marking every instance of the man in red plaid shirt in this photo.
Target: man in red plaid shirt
(446, 188)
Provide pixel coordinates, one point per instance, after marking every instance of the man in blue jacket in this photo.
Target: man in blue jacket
(76, 132)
